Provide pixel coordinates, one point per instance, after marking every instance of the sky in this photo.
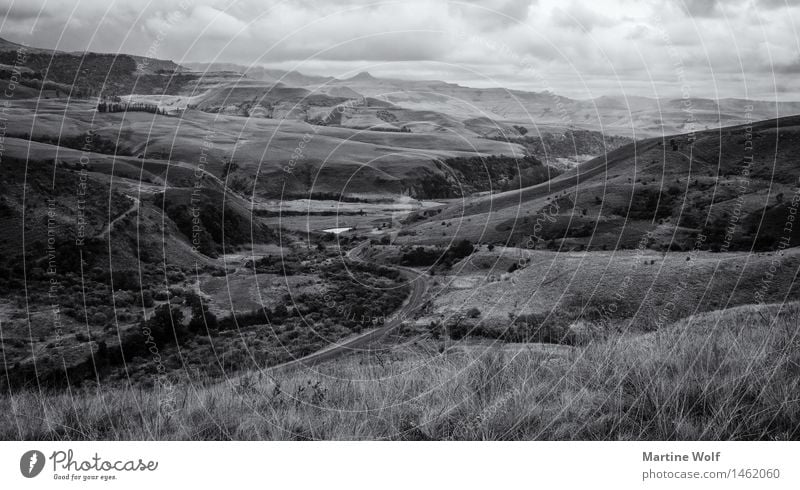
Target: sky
(653, 48)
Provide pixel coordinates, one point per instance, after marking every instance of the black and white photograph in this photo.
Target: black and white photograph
(452, 221)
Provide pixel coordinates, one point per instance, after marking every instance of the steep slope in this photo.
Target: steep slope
(92, 74)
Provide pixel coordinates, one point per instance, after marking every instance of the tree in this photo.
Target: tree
(166, 325)
(461, 249)
(280, 312)
(228, 166)
(202, 321)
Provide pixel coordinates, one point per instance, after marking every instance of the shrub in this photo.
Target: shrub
(166, 325)
(146, 298)
(202, 321)
(125, 279)
(123, 298)
(97, 318)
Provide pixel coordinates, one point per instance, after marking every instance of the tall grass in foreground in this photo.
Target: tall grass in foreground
(732, 374)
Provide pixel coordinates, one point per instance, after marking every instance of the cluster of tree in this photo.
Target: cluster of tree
(326, 196)
(352, 304)
(34, 188)
(130, 107)
(389, 129)
(28, 79)
(533, 328)
(429, 257)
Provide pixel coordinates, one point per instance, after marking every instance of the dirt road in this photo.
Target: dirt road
(107, 230)
(419, 286)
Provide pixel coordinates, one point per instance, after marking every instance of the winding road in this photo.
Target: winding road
(417, 281)
(419, 286)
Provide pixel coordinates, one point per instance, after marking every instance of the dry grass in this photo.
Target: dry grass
(732, 374)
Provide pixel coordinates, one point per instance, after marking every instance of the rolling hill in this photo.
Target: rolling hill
(272, 157)
(735, 185)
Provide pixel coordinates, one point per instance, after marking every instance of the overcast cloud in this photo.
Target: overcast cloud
(733, 48)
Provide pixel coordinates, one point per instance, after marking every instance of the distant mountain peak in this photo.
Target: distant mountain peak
(364, 75)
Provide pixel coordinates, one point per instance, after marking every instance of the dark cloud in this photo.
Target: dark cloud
(791, 68)
(700, 8)
(493, 13)
(19, 11)
(573, 44)
(776, 4)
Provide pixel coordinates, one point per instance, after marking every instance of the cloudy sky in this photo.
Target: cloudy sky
(706, 48)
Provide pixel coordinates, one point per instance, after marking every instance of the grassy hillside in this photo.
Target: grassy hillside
(90, 252)
(726, 375)
(736, 186)
(517, 292)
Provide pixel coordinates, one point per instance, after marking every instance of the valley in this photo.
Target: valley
(246, 253)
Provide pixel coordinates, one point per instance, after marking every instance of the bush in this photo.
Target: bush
(98, 318)
(123, 298)
(125, 279)
(202, 321)
(166, 325)
(422, 257)
(542, 328)
(145, 299)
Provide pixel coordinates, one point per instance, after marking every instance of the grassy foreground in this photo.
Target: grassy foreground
(732, 374)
